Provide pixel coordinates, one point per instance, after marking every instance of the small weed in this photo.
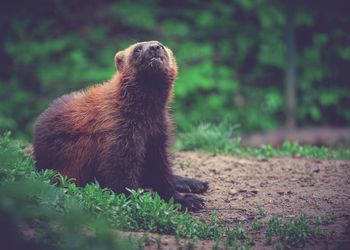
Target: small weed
(274, 227)
(311, 175)
(231, 241)
(311, 178)
(240, 232)
(216, 245)
(261, 211)
(191, 243)
(245, 246)
(256, 225)
(159, 241)
(145, 239)
(185, 164)
(234, 235)
(318, 220)
(177, 239)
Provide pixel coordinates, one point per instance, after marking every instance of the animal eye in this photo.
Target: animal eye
(137, 49)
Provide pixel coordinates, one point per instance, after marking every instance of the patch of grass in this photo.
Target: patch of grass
(294, 232)
(256, 225)
(144, 240)
(224, 139)
(31, 200)
(191, 243)
(235, 235)
(287, 233)
(210, 138)
(158, 240)
(34, 216)
(139, 211)
(261, 211)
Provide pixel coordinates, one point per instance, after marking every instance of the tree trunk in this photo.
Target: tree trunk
(290, 81)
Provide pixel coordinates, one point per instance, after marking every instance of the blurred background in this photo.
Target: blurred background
(261, 64)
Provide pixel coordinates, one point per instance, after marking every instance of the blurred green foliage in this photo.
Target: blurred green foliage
(223, 139)
(231, 56)
(35, 214)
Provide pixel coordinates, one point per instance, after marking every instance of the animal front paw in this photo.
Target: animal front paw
(191, 202)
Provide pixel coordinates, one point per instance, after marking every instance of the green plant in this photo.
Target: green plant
(222, 138)
(234, 236)
(185, 164)
(256, 225)
(261, 211)
(158, 241)
(191, 243)
(208, 137)
(144, 240)
(29, 202)
(295, 232)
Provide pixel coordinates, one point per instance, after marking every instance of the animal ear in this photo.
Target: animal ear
(119, 60)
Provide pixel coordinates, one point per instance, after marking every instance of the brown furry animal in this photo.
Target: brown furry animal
(118, 132)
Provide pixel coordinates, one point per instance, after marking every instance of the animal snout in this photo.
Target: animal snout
(155, 50)
(154, 47)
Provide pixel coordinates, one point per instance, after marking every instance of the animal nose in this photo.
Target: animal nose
(154, 47)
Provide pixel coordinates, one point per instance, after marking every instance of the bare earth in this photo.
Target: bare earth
(283, 186)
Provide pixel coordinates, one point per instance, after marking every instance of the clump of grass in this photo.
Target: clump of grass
(235, 236)
(294, 232)
(261, 211)
(209, 137)
(223, 138)
(256, 225)
(158, 240)
(296, 150)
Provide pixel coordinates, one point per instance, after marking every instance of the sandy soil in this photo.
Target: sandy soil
(282, 186)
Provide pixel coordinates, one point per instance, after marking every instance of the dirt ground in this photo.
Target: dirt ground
(283, 186)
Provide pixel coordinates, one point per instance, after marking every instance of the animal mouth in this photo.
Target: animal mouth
(156, 59)
(156, 62)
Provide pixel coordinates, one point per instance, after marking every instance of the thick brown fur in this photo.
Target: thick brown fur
(117, 132)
